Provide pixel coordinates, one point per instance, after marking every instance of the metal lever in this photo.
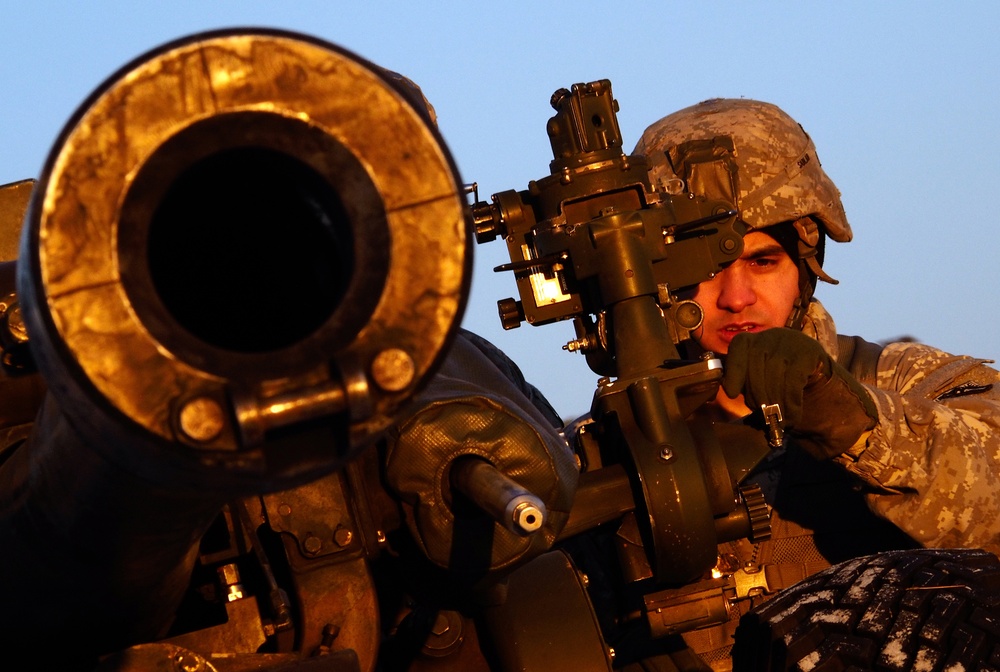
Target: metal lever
(542, 262)
(775, 425)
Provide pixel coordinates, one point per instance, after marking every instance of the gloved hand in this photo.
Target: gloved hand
(824, 408)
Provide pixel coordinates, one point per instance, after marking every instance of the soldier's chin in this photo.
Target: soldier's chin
(716, 346)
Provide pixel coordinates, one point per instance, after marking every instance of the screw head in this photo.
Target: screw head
(312, 545)
(202, 419)
(15, 324)
(343, 536)
(393, 370)
(186, 661)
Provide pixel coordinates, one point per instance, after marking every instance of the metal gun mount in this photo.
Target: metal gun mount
(595, 241)
(594, 233)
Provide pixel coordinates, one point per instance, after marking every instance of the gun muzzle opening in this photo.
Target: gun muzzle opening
(245, 233)
(236, 230)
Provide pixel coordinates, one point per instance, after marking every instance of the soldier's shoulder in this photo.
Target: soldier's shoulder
(911, 366)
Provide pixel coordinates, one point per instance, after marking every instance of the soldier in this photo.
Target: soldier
(889, 447)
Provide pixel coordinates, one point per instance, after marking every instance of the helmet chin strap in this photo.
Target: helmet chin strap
(799, 309)
(810, 251)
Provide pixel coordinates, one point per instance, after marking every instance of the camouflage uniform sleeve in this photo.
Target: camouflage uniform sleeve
(933, 459)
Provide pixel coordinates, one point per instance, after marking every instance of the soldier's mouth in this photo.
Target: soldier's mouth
(729, 332)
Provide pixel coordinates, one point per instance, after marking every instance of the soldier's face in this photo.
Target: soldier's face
(754, 293)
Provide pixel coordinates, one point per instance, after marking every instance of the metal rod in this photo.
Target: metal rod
(511, 505)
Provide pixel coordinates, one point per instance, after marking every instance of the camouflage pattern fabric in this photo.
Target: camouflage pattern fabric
(934, 453)
(780, 176)
(931, 463)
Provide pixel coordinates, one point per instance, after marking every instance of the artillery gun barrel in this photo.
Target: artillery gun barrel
(225, 276)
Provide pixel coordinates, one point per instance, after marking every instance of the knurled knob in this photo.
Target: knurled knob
(758, 511)
(511, 313)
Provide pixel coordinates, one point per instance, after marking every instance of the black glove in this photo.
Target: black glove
(824, 408)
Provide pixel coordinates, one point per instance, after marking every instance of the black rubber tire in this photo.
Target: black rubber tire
(927, 610)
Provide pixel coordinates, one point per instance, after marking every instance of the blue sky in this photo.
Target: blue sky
(900, 98)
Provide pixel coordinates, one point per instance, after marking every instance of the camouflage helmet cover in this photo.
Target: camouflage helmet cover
(780, 177)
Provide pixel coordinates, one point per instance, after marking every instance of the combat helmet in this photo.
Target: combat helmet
(778, 177)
